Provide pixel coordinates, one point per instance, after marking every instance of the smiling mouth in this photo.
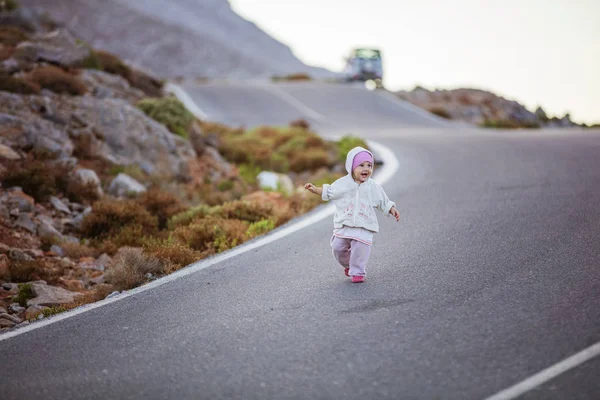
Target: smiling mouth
(364, 174)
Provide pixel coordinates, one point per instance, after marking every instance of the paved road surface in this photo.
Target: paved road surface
(491, 276)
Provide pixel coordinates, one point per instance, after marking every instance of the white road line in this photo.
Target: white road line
(547, 374)
(382, 175)
(294, 102)
(186, 99)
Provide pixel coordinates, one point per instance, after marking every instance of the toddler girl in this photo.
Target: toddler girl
(355, 196)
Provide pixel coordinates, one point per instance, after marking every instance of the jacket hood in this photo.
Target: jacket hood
(350, 157)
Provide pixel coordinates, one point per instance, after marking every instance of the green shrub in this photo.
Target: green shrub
(243, 210)
(260, 228)
(186, 217)
(129, 268)
(170, 112)
(109, 217)
(17, 85)
(347, 143)
(25, 293)
(249, 172)
(225, 185)
(112, 64)
(57, 80)
(48, 312)
(8, 5)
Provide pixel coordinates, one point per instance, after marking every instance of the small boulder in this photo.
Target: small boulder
(275, 181)
(50, 295)
(33, 311)
(59, 205)
(21, 201)
(10, 317)
(57, 47)
(49, 233)
(124, 185)
(102, 262)
(16, 308)
(18, 255)
(4, 270)
(24, 221)
(90, 177)
(74, 285)
(57, 250)
(6, 153)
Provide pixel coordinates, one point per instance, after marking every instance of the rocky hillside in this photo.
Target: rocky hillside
(482, 108)
(106, 183)
(178, 38)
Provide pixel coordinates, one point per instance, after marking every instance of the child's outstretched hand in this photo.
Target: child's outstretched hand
(313, 189)
(395, 213)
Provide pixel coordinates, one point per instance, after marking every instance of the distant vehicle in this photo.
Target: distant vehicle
(364, 65)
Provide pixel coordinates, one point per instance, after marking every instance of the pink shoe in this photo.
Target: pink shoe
(358, 279)
(347, 271)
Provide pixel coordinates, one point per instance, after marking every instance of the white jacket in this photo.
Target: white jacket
(354, 203)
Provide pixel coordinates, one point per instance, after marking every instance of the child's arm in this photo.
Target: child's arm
(384, 204)
(313, 189)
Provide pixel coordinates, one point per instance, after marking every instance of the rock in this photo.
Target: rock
(19, 200)
(14, 212)
(124, 185)
(7, 153)
(3, 309)
(9, 286)
(33, 311)
(16, 308)
(97, 280)
(102, 262)
(57, 47)
(49, 233)
(4, 270)
(24, 221)
(35, 253)
(113, 294)
(59, 205)
(18, 255)
(74, 285)
(275, 181)
(66, 263)
(46, 219)
(50, 295)
(77, 207)
(12, 318)
(90, 177)
(87, 263)
(57, 250)
(104, 85)
(4, 249)
(4, 323)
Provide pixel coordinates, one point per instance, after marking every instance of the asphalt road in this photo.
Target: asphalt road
(490, 277)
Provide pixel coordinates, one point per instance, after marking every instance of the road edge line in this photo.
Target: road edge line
(388, 170)
(547, 374)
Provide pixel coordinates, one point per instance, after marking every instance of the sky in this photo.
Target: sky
(536, 52)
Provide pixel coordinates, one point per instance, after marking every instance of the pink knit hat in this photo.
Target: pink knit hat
(361, 158)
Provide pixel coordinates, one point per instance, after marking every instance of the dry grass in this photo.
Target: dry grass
(212, 234)
(109, 217)
(12, 35)
(57, 80)
(186, 217)
(78, 250)
(162, 204)
(129, 268)
(243, 210)
(440, 112)
(17, 85)
(173, 255)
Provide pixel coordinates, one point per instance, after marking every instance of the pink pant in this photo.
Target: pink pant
(351, 254)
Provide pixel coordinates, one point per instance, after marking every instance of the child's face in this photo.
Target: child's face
(362, 172)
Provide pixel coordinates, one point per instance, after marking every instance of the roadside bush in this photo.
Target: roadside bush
(17, 85)
(249, 172)
(440, 112)
(170, 112)
(260, 228)
(112, 64)
(38, 178)
(109, 217)
(509, 124)
(129, 268)
(173, 255)
(78, 250)
(347, 143)
(186, 217)
(301, 76)
(50, 311)
(57, 80)
(300, 123)
(25, 271)
(12, 35)
(311, 160)
(25, 293)
(82, 192)
(212, 234)
(162, 204)
(243, 210)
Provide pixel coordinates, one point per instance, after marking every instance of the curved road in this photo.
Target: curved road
(491, 276)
